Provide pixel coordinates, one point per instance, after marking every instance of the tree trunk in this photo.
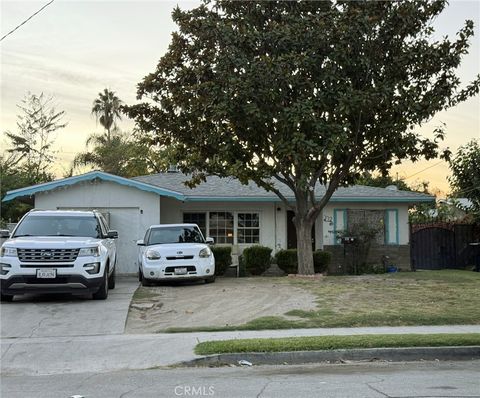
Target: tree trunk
(304, 245)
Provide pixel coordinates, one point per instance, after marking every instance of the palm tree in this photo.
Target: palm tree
(106, 109)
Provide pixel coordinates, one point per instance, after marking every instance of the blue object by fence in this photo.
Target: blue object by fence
(391, 269)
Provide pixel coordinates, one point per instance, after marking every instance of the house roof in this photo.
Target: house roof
(222, 189)
(230, 189)
(92, 175)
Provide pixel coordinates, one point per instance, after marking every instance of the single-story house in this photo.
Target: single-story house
(229, 212)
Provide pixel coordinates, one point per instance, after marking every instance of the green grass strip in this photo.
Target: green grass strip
(315, 343)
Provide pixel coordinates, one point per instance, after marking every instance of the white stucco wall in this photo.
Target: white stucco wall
(272, 221)
(131, 211)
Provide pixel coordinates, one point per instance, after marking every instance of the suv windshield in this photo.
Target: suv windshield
(59, 226)
(175, 235)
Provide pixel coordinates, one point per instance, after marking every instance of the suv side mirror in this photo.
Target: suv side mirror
(209, 241)
(140, 242)
(112, 234)
(4, 233)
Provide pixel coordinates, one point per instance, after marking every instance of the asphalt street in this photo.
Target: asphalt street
(370, 380)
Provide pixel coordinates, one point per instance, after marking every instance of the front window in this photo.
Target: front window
(83, 226)
(196, 218)
(178, 234)
(248, 228)
(221, 226)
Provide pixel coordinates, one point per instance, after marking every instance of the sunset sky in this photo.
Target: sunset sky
(74, 49)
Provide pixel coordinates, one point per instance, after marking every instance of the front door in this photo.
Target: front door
(292, 232)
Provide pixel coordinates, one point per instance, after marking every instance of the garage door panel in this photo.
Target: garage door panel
(125, 220)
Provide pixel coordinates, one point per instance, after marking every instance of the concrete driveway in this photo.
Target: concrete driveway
(66, 315)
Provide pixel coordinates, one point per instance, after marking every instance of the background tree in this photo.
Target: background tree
(380, 181)
(32, 143)
(120, 155)
(465, 179)
(301, 93)
(117, 152)
(106, 108)
(28, 157)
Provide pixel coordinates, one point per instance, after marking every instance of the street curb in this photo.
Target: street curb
(404, 354)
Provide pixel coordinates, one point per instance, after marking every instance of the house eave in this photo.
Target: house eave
(333, 199)
(93, 175)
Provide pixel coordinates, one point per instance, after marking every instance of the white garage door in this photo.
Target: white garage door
(125, 220)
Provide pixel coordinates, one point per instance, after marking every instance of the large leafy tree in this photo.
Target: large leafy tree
(465, 179)
(301, 93)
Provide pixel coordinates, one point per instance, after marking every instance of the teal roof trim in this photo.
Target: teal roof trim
(48, 186)
(333, 199)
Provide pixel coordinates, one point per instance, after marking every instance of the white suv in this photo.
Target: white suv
(175, 251)
(56, 251)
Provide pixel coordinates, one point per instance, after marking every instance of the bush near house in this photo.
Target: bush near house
(321, 261)
(256, 259)
(287, 260)
(223, 258)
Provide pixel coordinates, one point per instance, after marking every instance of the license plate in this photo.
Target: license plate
(180, 271)
(46, 273)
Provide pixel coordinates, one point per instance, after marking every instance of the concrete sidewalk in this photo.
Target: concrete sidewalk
(106, 353)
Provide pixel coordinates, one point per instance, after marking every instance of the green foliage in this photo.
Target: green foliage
(302, 93)
(357, 252)
(382, 181)
(107, 109)
(31, 145)
(29, 156)
(370, 269)
(465, 179)
(315, 343)
(256, 259)
(119, 155)
(321, 261)
(433, 212)
(114, 152)
(287, 260)
(223, 258)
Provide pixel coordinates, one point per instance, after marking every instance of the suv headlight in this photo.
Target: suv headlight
(8, 252)
(205, 253)
(89, 251)
(153, 254)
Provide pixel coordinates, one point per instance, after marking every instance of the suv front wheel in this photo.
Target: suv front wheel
(102, 293)
(111, 279)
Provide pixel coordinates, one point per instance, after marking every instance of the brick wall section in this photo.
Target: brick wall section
(399, 256)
